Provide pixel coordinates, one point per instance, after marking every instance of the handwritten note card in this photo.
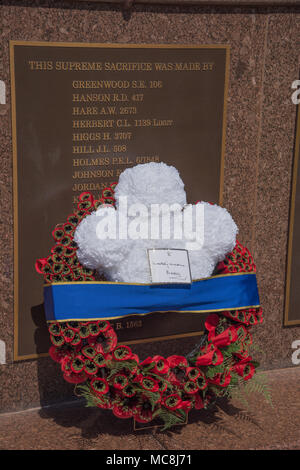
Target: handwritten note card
(169, 266)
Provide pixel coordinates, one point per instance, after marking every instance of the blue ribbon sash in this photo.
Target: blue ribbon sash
(108, 300)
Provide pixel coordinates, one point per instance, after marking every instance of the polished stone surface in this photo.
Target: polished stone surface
(228, 426)
(258, 159)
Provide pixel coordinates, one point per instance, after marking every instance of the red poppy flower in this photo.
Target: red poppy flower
(105, 342)
(214, 356)
(217, 357)
(124, 406)
(174, 380)
(143, 412)
(100, 386)
(177, 371)
(128, 391)
(193, 373)
(100, 360)
(212, 321)
(224, 339)
(65, 364)
(40, 264)
(222, 267)
(252, 319)
(223, 380)
(84, 331)
(122, 411)
(57, 340)
(58, 249)
(94, 329)
(177, 361)
(146, 362)
(233, 314)
(259, 315)
(68, 228)
(149, 384)
(120, 381)
(122, 353)
(90, 367)
(242, 317)
(161, 365)
(248, 371)
(186, 404)
(89, 352)
(172, 402)
(77, 364)
(86, 196)
(247, 341)
(244, 368)
(190, 387)
(75, 378)
(74, 325)
(104, 325)
(201, 382)
(162, 386)
(109, 201)
(55, 329)
(76, 341)
(68, 335)
(241, 332)
(57, 354)
(198, 403)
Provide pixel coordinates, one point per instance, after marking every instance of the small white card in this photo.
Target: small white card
(169, 265)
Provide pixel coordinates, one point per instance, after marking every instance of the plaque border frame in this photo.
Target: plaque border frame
(12, 44)
(296, 153)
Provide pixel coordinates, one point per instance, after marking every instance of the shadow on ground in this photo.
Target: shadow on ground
(93, 421)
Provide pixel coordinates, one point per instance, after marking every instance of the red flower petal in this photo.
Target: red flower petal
(40, 264)
(245, 365)
(190, 387)
(120, 381)
(100, 386)
(177, 361)
(211, 321)
(143, 416)
(223, 380)
(198, 402)
(122, 412)
(161, 365)
(75, 378)
(149, 384)
(122, 353)
(224, 339)
(205, 359)
(193, 373)
(172, 402)
(57, 354)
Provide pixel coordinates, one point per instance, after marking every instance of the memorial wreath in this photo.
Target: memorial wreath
(110, 375)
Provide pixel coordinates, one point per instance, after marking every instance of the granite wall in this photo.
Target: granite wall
(260, 134)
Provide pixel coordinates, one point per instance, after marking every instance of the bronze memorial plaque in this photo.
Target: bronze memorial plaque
(292, 296)
(82, 113)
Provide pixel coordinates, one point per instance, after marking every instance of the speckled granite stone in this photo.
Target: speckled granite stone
(258, 159)
(274, 164)
(226, 426)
